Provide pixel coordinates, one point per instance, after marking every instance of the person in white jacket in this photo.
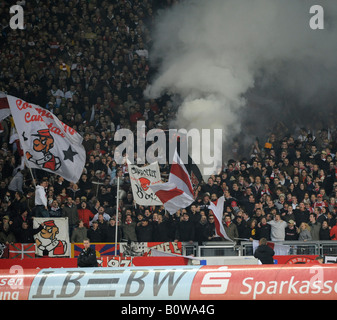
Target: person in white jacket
(41, 205)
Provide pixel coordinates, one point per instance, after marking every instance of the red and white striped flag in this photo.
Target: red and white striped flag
(217, 208)
(172, 198)
(177, 193)
(179, 175)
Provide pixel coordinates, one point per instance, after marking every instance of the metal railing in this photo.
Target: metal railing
(245, 248)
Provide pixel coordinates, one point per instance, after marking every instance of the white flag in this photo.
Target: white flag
(217, 208)
(47, 142)
(53, 238)
(142, 178)
(279, 249)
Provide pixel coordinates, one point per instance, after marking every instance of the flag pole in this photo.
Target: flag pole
(117, 204)
(31, 173)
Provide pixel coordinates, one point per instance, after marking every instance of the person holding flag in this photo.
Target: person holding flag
(217, 208)
(41, 205)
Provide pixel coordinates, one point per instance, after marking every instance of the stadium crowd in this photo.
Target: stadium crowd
(87, 62)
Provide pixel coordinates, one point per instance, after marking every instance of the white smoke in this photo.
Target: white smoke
(210, 54)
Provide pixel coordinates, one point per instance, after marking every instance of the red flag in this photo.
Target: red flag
(21, 250)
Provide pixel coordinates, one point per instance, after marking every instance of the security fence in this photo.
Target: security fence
(245, 248)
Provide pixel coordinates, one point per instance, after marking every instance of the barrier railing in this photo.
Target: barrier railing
(204, 249)
(245, 248)
(216, 249)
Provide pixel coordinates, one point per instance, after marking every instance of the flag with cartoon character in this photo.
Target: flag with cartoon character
(142, 178)
(53, 239)
(48, 143)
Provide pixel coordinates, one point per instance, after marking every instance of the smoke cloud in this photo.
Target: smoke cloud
(244, 65)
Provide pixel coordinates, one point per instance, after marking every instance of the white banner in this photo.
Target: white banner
(142, 178)
(47, 142)
(54, 237)
(279, 249)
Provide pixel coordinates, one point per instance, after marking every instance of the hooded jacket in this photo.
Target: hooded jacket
(265, 254)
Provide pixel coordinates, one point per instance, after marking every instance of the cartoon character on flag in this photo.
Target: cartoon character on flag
(43, 144)
(145, 183)
(48, 240)
(47, 143)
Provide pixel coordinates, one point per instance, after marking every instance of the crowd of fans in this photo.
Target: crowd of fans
(87, 62)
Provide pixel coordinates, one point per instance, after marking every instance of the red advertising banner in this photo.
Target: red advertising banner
(15, 283)
(39, 263)
(295, 259)
(265, 282)
(113, 261)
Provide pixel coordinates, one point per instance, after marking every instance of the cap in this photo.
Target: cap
(43, 133)
(291, 221)
(50, 223)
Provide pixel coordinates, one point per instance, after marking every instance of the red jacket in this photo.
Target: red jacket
(86, 215)
(333, 233)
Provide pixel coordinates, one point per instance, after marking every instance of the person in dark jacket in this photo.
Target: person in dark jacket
(87, 257)
(95, 234)
(324, 232)
(70, 211)
(240, 225)
(144, 231)
(161, 229)
(291, 233)
(251, 230)
(211, 231)
(201, 230)
(26, 234)
(17, 222)
(110, 231)
(264, 253)
(263, 229)
(185, 229)
(301, 214)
